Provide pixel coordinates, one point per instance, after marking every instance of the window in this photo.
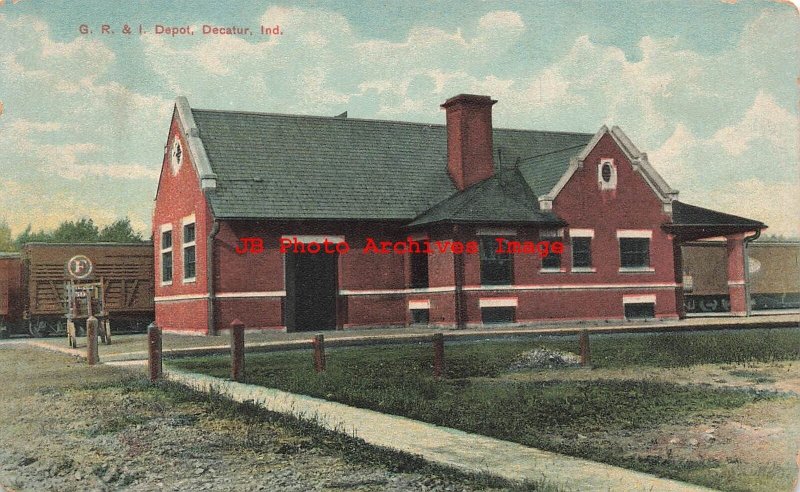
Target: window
(419, 270)
(607, 174)
(581, 252)
(189, 252)
(640, 310)
(504, 314)
(420, 316)
(166, 255)
(498, 309)
(552, 261)
(420, 311)
(176, 156)
(634, 252)
(496, 268)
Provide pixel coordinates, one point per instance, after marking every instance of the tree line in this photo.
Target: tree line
(79, 231)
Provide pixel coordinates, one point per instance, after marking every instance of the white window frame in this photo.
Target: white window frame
(612, 183)
(487, 302)
(640, 299)
(184, 222)
(573, 233)
(635, 234)
(165, 228)
(546, 234)
(419, 304)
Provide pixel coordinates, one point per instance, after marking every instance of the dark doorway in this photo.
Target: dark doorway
(311, 289)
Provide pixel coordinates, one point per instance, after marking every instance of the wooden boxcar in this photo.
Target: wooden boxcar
(10, 289)
(774, 276)
(126, 271)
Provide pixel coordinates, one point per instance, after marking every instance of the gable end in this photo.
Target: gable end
(638, 161)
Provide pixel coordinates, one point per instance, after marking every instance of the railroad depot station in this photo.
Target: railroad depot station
(230, 175)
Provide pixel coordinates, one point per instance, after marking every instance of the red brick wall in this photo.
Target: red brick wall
(185, 316)
(257, 280)
(256, 313)
(632, 205)
(262, 272)
(179, 196)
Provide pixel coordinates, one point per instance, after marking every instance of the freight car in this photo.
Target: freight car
(32, 285)
(773, 273)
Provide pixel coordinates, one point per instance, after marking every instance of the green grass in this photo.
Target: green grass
(351, 448)
(553, 415)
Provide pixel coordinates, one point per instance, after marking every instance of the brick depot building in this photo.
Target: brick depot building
(230, 175)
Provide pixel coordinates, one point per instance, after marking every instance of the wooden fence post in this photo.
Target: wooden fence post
(586, 353)
(91, 341)
(154, 351)
(237, 350)
(318, 342)
(438, 355)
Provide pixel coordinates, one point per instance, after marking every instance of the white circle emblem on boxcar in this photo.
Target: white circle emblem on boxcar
(79, 267)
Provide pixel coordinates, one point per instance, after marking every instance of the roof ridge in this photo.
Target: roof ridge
(400, 122)
(556, 151)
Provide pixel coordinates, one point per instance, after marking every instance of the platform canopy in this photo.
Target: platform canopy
(690, 222)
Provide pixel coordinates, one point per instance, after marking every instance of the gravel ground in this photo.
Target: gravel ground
(67, 427)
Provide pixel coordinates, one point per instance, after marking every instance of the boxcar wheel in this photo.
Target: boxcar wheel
(708, 305)
(37, 328)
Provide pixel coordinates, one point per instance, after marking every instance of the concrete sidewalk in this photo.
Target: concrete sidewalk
(468, 452)
(451, 447)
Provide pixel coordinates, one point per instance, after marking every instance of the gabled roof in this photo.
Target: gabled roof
(690, 222)
(542, 172)
(268, 166)
(505, 198)
(570, 162)
(684, 214)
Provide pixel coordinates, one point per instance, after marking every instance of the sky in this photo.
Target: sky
(708, 88)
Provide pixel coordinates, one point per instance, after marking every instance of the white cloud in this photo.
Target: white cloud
(69, 134)
(775, 204)
(701, 116)
(673, 155)
(766, 121)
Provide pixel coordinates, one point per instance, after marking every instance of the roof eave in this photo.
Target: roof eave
(208, 179)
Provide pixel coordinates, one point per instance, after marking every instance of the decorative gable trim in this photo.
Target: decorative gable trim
(637, 159)
(208, 180)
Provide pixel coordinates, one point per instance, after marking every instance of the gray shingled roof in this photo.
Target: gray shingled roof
(505, 198)
(542, 172)
(307, 167)
(690, 222)
(684, 214)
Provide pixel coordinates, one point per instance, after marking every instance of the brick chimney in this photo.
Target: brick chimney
(469, 139)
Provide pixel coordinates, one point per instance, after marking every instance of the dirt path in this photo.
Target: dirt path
(70, 427)
(764, 435)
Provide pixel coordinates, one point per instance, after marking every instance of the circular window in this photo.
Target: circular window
(606, 172)
(176, 156)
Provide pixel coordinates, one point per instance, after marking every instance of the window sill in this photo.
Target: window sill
(636, 269)
(552, 270)
(584, 270)
(165, 284)
(190, 280)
